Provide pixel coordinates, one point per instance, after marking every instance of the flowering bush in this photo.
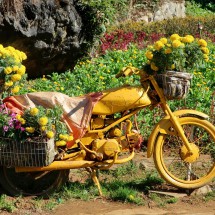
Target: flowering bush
(12, 72)
(36, 122)
(176, 53)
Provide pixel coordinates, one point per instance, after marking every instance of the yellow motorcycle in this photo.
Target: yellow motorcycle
(182, 143)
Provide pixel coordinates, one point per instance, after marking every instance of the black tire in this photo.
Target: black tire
(32, 183)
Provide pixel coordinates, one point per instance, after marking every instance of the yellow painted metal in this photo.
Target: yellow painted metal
(97, 123)
(88, 138)
(108, 148)
(60, 165)
(187, 157)
(110, 164)
(129, 126)
(96, 181)
(107, 128)
(165, 123)
(115, 132)
(160, 166)
(120, 161)
(75, 156)
(120, 99)
(169, 113)
(187, 112)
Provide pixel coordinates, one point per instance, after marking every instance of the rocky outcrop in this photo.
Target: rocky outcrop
(152, 11)
(50, 32)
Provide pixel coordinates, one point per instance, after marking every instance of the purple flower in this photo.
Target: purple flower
(17, 125)
(5, 128)
(22, 129)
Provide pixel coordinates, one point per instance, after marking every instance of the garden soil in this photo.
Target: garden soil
(186, 205)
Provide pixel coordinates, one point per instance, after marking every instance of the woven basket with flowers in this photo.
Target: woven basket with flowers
(172, 61)
(34, 137)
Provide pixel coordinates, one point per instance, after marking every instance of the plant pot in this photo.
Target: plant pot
(175, 85)
(30, 153)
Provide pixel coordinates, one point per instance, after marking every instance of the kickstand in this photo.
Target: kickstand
(93, 174)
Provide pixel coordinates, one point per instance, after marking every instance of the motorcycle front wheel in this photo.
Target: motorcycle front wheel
(32, 183)
(178, 170)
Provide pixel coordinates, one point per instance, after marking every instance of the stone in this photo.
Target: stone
(52, 33)
(172, 194)
(201, 191)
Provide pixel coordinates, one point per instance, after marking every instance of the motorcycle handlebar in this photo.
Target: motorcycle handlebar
(127, 71)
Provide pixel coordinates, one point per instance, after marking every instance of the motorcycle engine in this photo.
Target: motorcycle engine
(106, 148)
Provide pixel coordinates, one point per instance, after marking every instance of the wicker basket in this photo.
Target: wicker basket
(26, 154)
(174, 84)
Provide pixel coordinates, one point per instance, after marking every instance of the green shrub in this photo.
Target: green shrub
(203, 4)
(199, 8)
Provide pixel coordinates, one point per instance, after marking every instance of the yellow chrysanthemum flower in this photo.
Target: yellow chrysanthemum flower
(60, 143)
(8, 84)
(205, 50)
(43, 128)
(153, 67)
(187, 39)
(18, 116)
(22, 121)
(202, 42)
(34, 111)
(50, 134)
(63, 137)
(70, 138)
(174, 37)
(173, 66)
(158, 45)
(205, 56)
(15, 68)
(21, 70)
(168, 51)
(164, 40)
(149, 55)
(30, 129)
(16, 77)
(43, 121)
(15, 89)
(8, 70)
(23, 55)
(176, 43)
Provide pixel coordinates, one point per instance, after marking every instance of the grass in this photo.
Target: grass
(127, 183)
(162, 200)
(6, 204)
(209, 196)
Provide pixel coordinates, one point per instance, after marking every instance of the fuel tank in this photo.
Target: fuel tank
(121, 99)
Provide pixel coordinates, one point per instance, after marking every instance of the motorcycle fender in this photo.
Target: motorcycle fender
(164, 124)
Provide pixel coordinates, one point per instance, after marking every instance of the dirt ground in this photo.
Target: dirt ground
(102, 206)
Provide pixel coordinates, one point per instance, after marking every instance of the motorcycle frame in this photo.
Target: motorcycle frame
(172, 116)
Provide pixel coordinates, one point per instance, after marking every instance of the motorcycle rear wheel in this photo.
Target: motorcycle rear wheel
(32, 183)
(170, 162)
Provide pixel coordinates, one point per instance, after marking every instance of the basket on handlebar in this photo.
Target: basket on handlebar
(175, 85)
(27, 154)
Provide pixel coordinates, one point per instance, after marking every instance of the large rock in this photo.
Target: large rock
(50, 32)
